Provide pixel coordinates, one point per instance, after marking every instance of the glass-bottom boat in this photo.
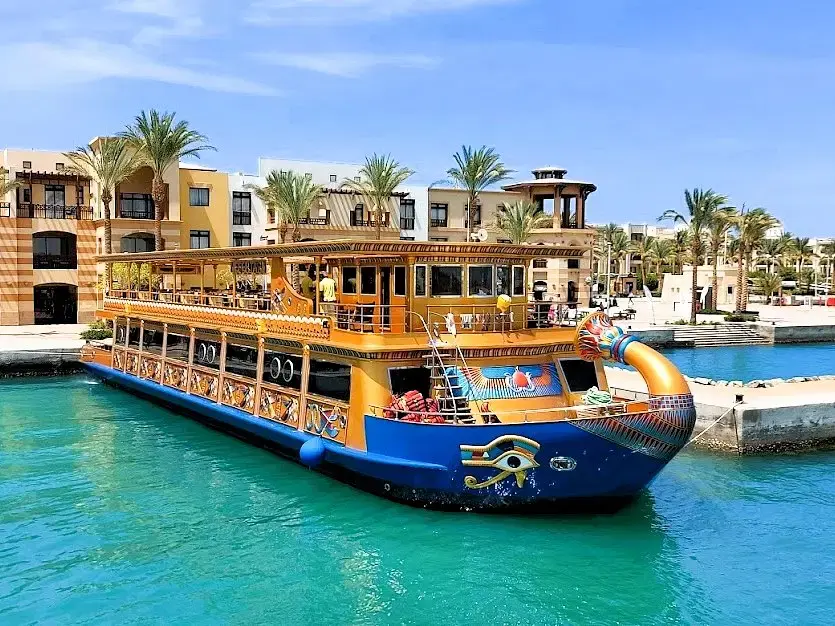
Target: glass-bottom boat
(417, 371)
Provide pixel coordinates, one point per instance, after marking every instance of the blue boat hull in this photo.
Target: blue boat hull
(539, 466)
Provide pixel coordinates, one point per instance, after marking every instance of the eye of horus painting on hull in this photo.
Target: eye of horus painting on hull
(513, 455)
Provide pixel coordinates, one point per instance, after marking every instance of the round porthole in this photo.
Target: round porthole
(563, 464)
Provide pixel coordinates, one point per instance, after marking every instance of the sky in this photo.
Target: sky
(642, 97)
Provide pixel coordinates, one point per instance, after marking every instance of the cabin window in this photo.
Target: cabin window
(399, 281)
(119, 332)
(349, 280)
(152, 340)
(480, 280)
(420, 281)
(446, 280)
(133, 335)
(282, 369)
(405, 379)
(518, 280)
(368, 281)
(242, 361)
(207, 353)
(176, 347)
(502, 280)
(580, 375)
(331, 380)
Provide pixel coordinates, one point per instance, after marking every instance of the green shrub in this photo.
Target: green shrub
(97, 331)
(714, 312)
(652, 282)
(740, 317)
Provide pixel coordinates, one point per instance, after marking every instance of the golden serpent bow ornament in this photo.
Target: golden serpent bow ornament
(513, 455)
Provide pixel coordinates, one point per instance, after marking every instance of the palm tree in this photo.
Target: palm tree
(803, 252)
(681, 245)
(751, 226)
(620, 248)
(476, 170)
(773, 251)
(768, 284)
(6, 185)
(663, 253)
(519, 219)
(717, 233)
(604, 237)
(828, 256)
(110, 164)
(702, 205)
(379, 177)
(161, 143)
(645, 247)
(295, 195)
(268, 194)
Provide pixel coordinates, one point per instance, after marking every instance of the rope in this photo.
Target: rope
(736, 404)
(596, 397)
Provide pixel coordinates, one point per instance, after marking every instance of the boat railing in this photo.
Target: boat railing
(568, 413)
(244, 301)
(367, 318)
(480, 318)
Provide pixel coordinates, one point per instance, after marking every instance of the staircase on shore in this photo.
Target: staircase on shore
(720, 335)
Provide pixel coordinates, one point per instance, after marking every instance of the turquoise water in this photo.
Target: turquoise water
(748, 363)
(113, 510)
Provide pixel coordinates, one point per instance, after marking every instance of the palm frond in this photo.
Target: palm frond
(519, 219)
(161, 141)
(379, 178)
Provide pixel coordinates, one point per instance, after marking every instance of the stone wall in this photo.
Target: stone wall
(796, 334)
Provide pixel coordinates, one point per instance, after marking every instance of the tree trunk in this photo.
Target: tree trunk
(108, 234)
(378, 221)
(745, 264)
(471, 215)
(693, 286)
(296, 236)
(158, 196)
(739, 280)
(282, 231)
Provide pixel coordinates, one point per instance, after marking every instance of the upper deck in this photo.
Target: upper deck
(371, 293)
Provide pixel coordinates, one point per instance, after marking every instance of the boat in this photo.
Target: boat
(390, 376)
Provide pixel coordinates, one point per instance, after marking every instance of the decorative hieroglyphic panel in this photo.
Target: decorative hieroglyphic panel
(175, 376)
(279, 407)
(118, 359)
(326, 419)
(132, 363)
(239, 394)
(203, 384)
(150, 367)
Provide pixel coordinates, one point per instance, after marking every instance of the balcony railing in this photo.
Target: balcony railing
(54, 262)
(385, 222)
(315, 221)
(137, 214)
(5, 209)
(407, 223)
(54, 211)
(438, 223)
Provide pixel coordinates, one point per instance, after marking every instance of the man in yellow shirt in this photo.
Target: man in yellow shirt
(327, 287)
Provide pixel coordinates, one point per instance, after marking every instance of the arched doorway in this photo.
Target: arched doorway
(56, 304)
(137, 242)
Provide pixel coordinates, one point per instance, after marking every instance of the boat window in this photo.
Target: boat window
(349, 280)
(176, 347)
(242, 360)
(480, 280)
(502, 280)
(331, 380)
(420, 281)
(207, 353)
(405, 379)
(282, 369)
(368, 281)
(133, 335)
(152, 340)
(518, 280)
(119, 332)
(446, 280)
(580, 375)
(399, 281)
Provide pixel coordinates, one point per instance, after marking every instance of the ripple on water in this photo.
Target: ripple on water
(113, 509)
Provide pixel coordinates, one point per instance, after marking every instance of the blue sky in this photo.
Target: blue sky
(642, 97)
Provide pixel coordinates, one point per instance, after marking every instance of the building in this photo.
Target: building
(47, 242)
(204, 209)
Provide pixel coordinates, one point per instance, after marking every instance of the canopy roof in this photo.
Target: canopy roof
(351, 249)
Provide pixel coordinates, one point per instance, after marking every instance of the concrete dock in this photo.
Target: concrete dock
(787, 416)
(34, 350)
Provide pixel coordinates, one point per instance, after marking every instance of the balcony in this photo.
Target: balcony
(241, 218)
(54, 262)
(356, 222)
(137, 213)
(5, 209)
(315, 221)
(52, 211)
(436, 223)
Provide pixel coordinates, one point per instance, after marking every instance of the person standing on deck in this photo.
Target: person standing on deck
(309, 285)
(327, 287)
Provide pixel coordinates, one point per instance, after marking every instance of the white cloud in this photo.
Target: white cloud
(281, 12)
(176, 19)
(86, 61)
(348, 65)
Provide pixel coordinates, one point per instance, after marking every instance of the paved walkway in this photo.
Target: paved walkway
(41, 338)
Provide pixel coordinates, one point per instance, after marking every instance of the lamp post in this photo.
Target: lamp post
(608, 275)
